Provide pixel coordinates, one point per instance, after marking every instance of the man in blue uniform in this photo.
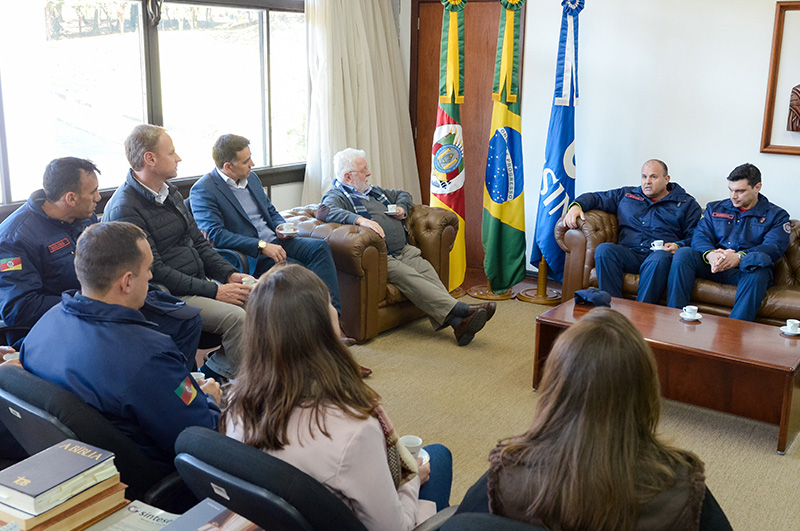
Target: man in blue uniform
(230, 205)
(737, 242)
(96, 344)
(37, 248)
(656, 210)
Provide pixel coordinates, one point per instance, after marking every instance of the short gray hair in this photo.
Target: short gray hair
(142, 139)
(345, 161)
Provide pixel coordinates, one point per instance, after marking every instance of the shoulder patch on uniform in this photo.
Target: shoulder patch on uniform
(787, 227)
(60, 244)
(11, 264)
(186, 391)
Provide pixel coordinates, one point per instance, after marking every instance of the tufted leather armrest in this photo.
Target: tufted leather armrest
(579, 245)
(433, 230)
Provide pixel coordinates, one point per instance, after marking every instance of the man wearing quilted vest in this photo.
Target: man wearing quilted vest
(656, 210)
(353, 200)
(737, 242)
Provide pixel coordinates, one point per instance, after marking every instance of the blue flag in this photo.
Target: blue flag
(558, 176)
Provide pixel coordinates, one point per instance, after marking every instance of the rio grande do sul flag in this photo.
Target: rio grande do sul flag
(558, 176)
(447, 154)
(503, 200)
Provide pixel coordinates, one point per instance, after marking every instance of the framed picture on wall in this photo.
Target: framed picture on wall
(781, 130)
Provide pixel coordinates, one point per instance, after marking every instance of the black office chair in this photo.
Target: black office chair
(40, 414)
(264, 489)
(483, 521)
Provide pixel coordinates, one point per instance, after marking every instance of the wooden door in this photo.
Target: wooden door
(481, 24)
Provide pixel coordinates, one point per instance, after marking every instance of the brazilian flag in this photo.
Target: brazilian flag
(503, 199)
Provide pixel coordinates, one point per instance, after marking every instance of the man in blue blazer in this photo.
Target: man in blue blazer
(230, 205)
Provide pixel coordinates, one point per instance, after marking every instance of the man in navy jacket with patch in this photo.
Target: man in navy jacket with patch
(737, 242)
(230, 205)
(656, 210)
(97, 344)
(37, 249)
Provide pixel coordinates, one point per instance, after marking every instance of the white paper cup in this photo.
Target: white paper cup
(11, 356)
(249, 281)
(391, 209)
(793, 325)
(690, 311)
(658, 244)
(199, 377)
(412, 443)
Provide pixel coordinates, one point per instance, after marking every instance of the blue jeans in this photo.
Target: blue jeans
(613, 261)
(751, 286)
(437, 488)
(313, 254)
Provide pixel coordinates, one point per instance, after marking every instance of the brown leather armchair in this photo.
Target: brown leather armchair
(370, 304)
(781, 302)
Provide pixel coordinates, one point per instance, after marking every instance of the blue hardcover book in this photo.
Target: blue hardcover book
(54, 475)
(210, 515)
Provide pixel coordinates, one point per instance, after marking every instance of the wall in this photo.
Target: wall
(683, 81)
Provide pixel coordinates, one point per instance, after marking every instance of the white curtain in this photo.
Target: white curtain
(358, 95)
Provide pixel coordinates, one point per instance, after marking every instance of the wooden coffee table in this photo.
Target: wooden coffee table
(748, 369)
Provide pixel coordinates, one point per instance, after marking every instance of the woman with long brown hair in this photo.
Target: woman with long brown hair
(592, 459)
(299, 397)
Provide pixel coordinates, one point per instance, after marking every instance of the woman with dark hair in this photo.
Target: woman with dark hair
(592, 459)
(299, 397)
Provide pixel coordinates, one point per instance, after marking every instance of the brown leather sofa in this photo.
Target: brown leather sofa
(370, 304)
(781, 302)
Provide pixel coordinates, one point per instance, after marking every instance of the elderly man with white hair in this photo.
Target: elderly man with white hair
(353, 200)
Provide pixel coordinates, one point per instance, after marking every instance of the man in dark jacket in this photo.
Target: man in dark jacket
(656, 210)
(183, 261)
(97, 344)
(737, 241)
(37, 248)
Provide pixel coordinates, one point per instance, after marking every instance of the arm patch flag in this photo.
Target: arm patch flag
(558, 176)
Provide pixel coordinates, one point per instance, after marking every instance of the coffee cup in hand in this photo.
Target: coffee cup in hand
(658, 244)
(792, 325)
(199, 377)
(690, 311)
(248, 280)
(412, 443)
(391, 209)
(11, 356)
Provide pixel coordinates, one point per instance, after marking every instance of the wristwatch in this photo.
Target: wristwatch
(261, 245)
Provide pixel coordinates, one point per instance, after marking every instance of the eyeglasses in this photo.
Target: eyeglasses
(363, 172)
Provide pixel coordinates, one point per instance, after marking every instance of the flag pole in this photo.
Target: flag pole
(540, 295)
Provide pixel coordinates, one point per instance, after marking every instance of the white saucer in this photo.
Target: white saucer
(697, 317)
(288, 232)
(391, 212)
(786, 331)
(656, 248)
(425, 456)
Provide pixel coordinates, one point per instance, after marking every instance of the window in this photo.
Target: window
(82, 77)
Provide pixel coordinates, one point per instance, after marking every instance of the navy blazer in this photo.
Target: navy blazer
(218, 212)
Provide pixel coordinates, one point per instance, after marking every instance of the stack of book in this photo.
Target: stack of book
(67, 486)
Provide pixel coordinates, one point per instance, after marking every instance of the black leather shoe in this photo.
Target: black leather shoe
(490, 308)
(469, 326)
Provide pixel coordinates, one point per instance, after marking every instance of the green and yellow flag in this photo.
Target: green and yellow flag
(447, 156)
(503, 200)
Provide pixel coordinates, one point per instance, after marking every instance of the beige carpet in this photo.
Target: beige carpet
(467, 398)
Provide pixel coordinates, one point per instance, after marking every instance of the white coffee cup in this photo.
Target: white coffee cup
(391, 209)
(288, 227)
(11, 356)
(199, 377)
(658, 244)
(412, 443)
(690, 311)
(793, 325)
(248, 280)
